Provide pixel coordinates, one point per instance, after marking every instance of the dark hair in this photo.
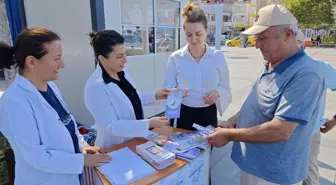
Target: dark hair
(192, 13)
(104, 41)
(30, 42)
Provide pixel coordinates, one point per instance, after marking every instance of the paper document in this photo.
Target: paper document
(173, 105)
(126, 167)
(204, 130)
(188, 144)
(190, 154)
(185, 135)
(188, 140)
(151, 134)
(155, 155)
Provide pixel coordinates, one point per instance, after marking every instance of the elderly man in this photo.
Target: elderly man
(322, 125)
(300, 39)
(274, 125)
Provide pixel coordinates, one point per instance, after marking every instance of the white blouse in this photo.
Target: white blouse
(211, 73)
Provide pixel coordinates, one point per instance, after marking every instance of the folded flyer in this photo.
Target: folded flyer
(173, 104)
(190, 154)
(155, 155)
(204, 130)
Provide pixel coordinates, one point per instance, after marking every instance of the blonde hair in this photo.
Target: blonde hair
(193, 13)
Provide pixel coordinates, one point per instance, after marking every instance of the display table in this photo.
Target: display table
(182, 172)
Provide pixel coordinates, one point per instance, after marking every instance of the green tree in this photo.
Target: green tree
(313, 13)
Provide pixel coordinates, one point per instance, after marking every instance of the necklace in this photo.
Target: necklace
(198, 56)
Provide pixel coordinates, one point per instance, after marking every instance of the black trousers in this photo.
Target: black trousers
(203, 116)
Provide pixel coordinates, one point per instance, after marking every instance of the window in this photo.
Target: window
(211, 35)
(167, 13)
(136, 40)
(138, 12)
(213, 17)
(239, 19)
(226, 18)
(167, 39)
(150, 26)
(167, 25)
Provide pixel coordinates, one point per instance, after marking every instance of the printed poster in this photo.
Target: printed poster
(177, 178)
(196, 171)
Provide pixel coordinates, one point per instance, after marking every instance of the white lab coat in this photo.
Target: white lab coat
(113, 112)
(43, 148)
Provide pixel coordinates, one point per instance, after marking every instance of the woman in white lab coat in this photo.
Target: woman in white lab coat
(112, 97)
(34, 118)
(200, 70)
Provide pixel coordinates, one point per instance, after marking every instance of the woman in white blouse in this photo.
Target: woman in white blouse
(200, 70)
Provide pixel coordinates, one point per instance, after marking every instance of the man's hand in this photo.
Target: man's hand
(220, 137)
(227, 124)
(328, 126)
(230, 123)
(93, 150)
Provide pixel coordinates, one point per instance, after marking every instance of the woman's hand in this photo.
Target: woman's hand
(184, 93)
(162, 94)
(92, 150)
(95, 160)
(157, 122)
(211, 97)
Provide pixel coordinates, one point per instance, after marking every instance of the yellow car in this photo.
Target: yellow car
(236, 42)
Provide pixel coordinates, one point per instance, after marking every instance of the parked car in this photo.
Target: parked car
(251, 42)
(224, 38)
(236, 42)
(132, 40)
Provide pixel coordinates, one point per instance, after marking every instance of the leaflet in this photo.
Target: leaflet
(173, 104)
(205, 130)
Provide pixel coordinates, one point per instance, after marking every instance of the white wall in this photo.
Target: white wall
(72, 21)
(112, 13)
(143, 72)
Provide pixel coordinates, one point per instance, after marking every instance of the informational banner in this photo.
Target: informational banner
(191, 174)
(196, 171)
(177, 178)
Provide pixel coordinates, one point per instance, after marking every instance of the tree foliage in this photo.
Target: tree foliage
(313, 13)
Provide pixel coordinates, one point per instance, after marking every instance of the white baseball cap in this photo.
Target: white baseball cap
(300, 36)
(271, 15)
